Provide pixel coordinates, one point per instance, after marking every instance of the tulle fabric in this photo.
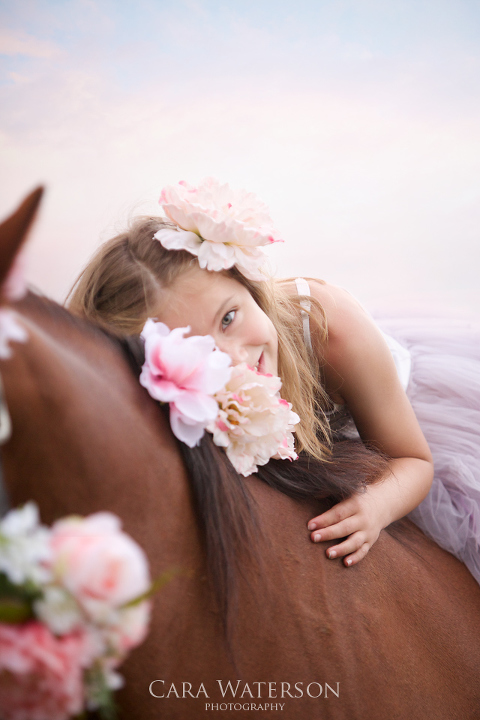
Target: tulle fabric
(444, 389)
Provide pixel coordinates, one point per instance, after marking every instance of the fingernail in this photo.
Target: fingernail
(348, 562)
(312, 526)
(317, 537)
(332, 554)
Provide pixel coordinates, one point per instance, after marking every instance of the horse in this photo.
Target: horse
(396, 636)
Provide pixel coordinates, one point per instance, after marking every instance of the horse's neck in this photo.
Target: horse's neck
(87, 437)
(84, 431)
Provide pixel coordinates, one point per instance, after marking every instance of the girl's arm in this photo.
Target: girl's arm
(359, 370)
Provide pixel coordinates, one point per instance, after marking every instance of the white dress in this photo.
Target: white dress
(438, 363)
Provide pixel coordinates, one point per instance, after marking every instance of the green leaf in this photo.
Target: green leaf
(15, 611)
(101, 694)
(156, 585)
(27, 591)
(16, 601)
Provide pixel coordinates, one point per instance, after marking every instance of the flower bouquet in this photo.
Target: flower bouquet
(239, 406)
(74, 600)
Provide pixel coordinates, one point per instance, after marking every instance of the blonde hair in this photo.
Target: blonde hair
(121, 287)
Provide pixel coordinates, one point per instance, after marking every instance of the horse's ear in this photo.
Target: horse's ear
(14, 229)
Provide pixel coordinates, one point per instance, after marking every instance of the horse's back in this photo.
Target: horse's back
(397, 636)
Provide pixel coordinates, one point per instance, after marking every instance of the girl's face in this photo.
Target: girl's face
(213, 303)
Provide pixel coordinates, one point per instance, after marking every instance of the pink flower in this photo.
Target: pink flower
(254, 423)
(184, 372)
(90, 611)
(101, 566)
(128, 629)
(41, 676)
(221, 226)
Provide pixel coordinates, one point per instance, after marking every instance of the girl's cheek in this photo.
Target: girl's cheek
(265, 333)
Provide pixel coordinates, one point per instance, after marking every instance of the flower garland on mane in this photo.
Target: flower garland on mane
(239, 406)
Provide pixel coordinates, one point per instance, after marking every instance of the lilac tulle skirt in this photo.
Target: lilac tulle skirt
(444, 389)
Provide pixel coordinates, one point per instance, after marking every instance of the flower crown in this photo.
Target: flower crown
(221, 226)
(240, 407)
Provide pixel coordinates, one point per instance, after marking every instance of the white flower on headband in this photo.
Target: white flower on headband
(223, 227)
(254, 423)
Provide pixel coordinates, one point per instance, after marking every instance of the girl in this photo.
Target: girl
(343, 376)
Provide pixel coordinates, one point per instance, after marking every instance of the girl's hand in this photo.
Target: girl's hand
(359, 517)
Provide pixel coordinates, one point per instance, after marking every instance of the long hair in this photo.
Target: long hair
(121, 288)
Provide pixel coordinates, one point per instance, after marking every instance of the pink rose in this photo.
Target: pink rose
(223, 227)
(184, 372)
(41, 676)
(128, 629)
(101, 566)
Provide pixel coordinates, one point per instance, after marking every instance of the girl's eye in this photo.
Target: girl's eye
(228, 319)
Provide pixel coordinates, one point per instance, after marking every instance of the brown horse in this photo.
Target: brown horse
(395, 637)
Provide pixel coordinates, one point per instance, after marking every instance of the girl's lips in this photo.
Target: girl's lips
(261, 364)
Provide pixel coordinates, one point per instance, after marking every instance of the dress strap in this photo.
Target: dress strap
(339, 417)
(303, 288)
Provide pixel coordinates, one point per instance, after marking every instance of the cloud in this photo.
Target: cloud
(19, 43)
(18, 79)
(369, 160)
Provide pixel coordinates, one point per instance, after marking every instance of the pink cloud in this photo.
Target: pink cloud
(19, 43)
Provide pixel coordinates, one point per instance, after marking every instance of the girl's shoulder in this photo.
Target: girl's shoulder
(343, 312)
(353, 343)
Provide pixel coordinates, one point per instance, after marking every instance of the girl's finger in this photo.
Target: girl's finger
(351, 545)
(341, 529)
(355, 557)
(337, 513)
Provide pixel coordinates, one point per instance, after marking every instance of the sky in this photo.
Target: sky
(356, 121)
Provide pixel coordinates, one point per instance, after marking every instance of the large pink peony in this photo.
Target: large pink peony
(254, 423)
(101, 566)
(223, 227)
(184, 372)
(41, 676)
